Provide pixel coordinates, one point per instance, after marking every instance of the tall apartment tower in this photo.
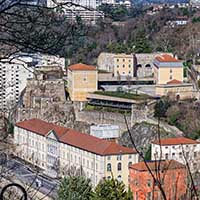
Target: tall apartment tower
(13, 78)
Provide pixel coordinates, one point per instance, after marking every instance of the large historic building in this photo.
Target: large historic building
(82, 79)
(180, 149)
(56, 149)
(171, 174)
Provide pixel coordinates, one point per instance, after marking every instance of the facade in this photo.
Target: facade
(178, 149)
(123, 65)
(168, 76)
(57, 149)
(173, 176)
(167, 68)
(176, 90)
(82, 79)
(142, 62)
(14, 74)
(105, 131)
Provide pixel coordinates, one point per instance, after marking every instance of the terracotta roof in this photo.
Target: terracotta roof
(174, 81)
(81, 66)
(153, 165)
(175, 141)
(166, 58)
(74, 138)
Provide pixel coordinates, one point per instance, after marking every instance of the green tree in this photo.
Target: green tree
(111, 189)
(75, 188)
(161, 107)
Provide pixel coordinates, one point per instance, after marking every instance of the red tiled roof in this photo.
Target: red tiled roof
(166, 58)
(75, 138)
(81, 66)
(175, 141)
(153, 165)
(174, 81)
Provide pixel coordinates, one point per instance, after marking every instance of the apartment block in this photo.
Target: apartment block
(13, 78)
(180, 149)
(82, 79)
(172, 176)
(56, 149)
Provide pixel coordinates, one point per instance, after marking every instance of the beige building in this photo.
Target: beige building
(123, 65)
(82, 79)
(57, 149)
(168, 76)
(167, 68)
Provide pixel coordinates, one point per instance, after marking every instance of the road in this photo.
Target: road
(26, 175)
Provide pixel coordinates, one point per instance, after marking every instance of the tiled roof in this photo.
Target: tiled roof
(81, 66)
(153, 165)
(75, 138)
(166, 58)
(174, 81)
(175, 141)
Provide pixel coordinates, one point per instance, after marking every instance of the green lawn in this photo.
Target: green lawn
(124, 95)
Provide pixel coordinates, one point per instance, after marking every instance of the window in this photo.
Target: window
(149, 196)
(166, 156)
(119, 166)
(129, 164)
(117, 60)
(123, 66)
(195, 154)
(108, 167)
(109, 177)
(117, 66)
(170, 77)
(123, 60)
(149, 183)
(119, 178)
(129, 66)
(119, 157)
(108, 158)
(173, 154)
(130, 156)
(166, 147)
(170, 70)
(180, 155)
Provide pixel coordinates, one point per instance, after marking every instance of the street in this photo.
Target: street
(23, 173)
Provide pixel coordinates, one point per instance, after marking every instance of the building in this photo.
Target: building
(82, 79)
(142, 62)
(179, 149)
(105, 131)
(56, 149)
(168, 76)
(123, 65)
(120, 65)
(173, 176)
(167, 68)
(14, 73)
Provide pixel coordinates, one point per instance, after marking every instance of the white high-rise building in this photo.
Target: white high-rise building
(13, 77)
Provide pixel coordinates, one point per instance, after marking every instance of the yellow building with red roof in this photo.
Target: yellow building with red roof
(57, 149)
(82, 79)
(168, 76)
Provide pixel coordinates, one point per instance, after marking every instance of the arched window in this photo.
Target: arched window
(119, 178)
(109, 167)
(119, 166)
